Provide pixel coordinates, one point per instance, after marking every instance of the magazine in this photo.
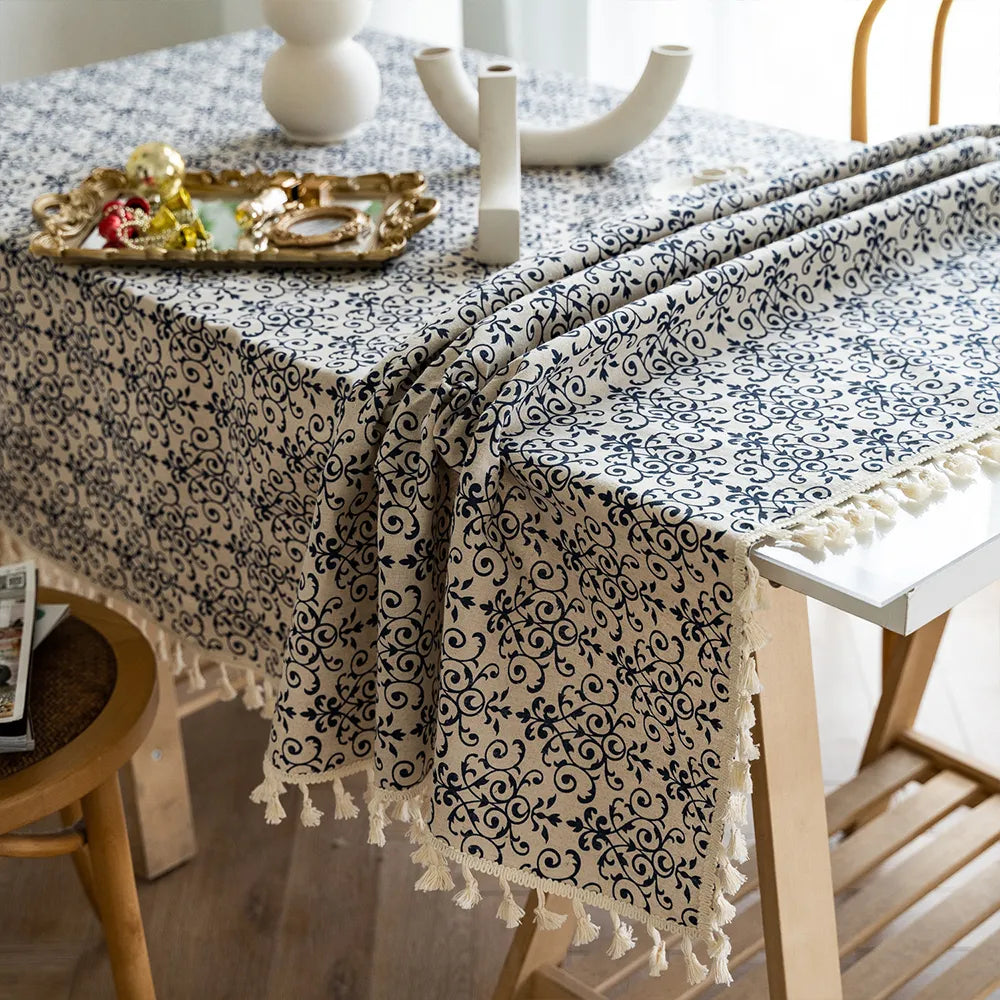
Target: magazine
(47, 617)
(17, 620)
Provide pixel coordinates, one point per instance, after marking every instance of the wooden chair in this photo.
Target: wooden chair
(93, 698)
(859, 82)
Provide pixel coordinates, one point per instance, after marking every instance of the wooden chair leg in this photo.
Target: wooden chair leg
(159, 803)
(114, 884)
(533, 948)
(789, 808)
(906, 667)
(70, 816)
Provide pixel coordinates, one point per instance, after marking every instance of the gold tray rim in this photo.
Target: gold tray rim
(68, 217)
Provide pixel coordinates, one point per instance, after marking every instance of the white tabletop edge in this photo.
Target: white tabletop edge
(910, 574)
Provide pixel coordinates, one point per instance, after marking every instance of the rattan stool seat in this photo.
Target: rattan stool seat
(72, 677)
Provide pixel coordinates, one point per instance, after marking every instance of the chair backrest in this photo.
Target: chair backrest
(859, 82)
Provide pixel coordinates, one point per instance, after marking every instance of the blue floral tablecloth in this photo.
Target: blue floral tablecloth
(166, 434)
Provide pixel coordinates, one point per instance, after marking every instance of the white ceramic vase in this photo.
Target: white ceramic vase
(321, 85)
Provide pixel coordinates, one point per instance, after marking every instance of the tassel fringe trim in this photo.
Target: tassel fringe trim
(185, 658)
(837, 525)
(435, 858)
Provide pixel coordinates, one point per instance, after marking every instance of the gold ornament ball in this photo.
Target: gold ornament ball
(155, 168)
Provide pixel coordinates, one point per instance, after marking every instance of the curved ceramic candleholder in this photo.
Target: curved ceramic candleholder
(499, 166)
(589, 144)
(321, 85)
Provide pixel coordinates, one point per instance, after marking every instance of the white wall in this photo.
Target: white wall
(38, 36)
(786, 62)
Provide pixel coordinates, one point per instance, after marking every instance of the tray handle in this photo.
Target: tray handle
(46, 206)
(425, 211)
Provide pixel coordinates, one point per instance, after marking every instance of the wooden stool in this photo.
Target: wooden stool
(89, 717)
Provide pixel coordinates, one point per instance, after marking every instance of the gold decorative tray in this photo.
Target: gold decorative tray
(394, 203)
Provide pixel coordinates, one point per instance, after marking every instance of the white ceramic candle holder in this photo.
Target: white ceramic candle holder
(588, 144)
(499, 166)
(321, 85)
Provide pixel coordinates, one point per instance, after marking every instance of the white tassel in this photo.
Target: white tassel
(163, 649)
(741, 778)
(862, 517)
(718, 952)
(736, 809)
(268, 793)
(839, 530)
(731, 877)
(270, 702)
(960, 466)
(586, 930)
(738, 849)
(914, 489)
(989, 450)
(426, 854)
(376, 822)
(436, 878)
(252, 698)
(754, 594)
(228, 692)
(746, 714)
(810, 536)
(402, 811)
(724, 910)
(746, 749)
(696, 972)
(344, 807)
(756, 636)
(547, 919)
(418, 825)
(196, 679)
(310, 815)
(508, 911)
(623, 940)
(179, 665)
(470, 896)
(880, 501)
(935, 479)
(657, 954)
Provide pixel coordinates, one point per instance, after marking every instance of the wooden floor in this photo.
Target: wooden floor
(284, 913)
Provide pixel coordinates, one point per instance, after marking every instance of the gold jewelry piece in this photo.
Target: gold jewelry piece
(265, 205)
(356, 222)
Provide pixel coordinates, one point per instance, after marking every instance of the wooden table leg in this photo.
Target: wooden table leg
(533, 948)
(114, 884)
(159, 801)
(906, 667)
(789, 809)
(70, 816)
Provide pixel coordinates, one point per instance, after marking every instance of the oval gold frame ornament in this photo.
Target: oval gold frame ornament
(356, 222)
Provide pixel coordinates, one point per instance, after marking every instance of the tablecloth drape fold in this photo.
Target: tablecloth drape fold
(567, 493)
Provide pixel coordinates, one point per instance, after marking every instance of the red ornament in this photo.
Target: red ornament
(115, 216)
